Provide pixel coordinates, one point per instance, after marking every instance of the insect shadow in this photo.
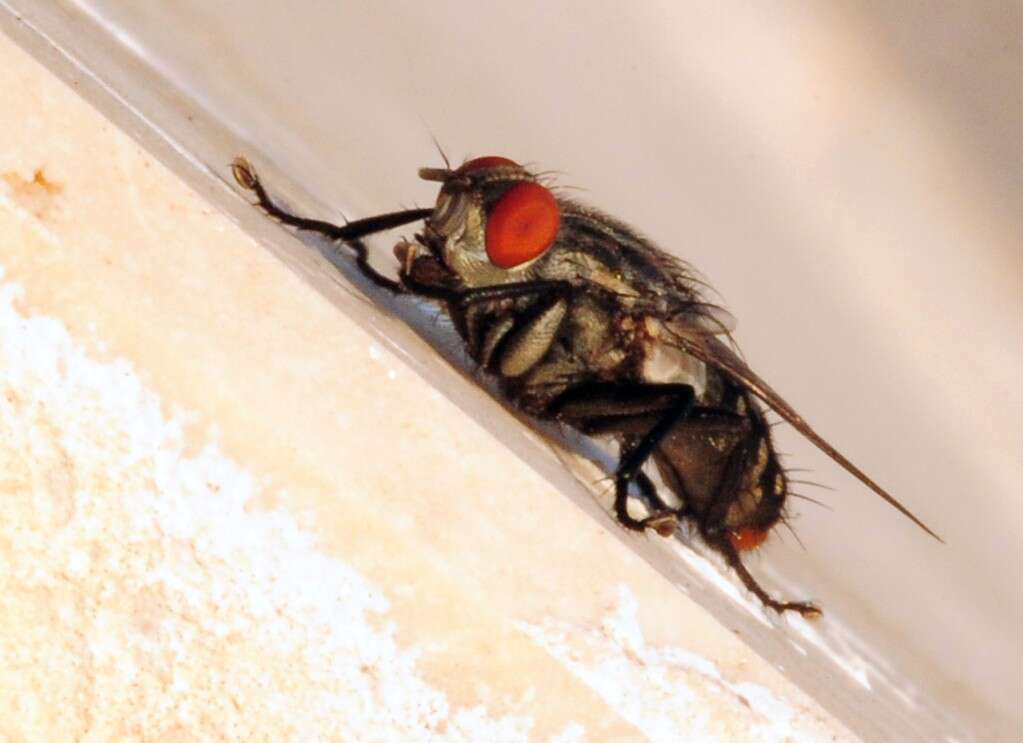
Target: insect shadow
(582, 321)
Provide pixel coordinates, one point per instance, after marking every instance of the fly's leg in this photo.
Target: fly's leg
(350, 233)
(665, 519)
(663, 523)
(466, 297)
(731, 554)
(513, 347)
(629, 410)
(642, 414)
(648, 491)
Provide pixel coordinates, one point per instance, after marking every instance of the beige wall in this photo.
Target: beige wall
(229, 514)
(845, 173)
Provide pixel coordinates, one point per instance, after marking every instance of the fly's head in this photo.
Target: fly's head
(492, 221)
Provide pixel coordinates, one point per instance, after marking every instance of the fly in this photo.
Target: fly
(584, 322)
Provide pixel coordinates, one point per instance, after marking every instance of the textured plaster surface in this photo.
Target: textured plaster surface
(226, 514)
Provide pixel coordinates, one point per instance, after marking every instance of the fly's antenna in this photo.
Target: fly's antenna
(443, 155)
(436, 142)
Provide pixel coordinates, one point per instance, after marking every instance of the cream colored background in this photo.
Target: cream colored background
(229, 514)
(846, 175)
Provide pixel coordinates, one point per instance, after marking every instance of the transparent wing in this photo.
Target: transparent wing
(712, 351)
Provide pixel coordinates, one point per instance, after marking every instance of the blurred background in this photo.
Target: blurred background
(847, 175)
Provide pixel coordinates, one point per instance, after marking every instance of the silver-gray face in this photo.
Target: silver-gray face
(457, 227)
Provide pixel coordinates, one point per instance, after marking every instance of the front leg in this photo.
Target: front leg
(513, 344)
(351, 234)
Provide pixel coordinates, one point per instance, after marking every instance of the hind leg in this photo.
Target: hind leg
(722, 545)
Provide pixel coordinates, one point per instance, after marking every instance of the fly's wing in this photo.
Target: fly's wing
(712, 351)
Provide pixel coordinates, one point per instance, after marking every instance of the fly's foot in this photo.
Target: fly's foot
(722, 544)
(665, 524)
(663, 519)
(805, 608)
(406, 252)
(244, 174)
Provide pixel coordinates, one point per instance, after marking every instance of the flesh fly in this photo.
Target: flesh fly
(583, 322)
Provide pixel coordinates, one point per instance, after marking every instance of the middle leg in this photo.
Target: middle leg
(640, 415)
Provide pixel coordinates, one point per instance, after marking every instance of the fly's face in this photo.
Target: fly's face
(492, 221)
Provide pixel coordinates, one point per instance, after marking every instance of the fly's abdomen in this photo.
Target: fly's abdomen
(721, 463)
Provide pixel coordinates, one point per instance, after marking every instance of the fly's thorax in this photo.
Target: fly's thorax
(570, 260)
(579, 339)
(663, 362)
(598, 340)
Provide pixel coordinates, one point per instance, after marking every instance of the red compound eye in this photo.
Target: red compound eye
(522, 225)
(747, 538)
(491, 161)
